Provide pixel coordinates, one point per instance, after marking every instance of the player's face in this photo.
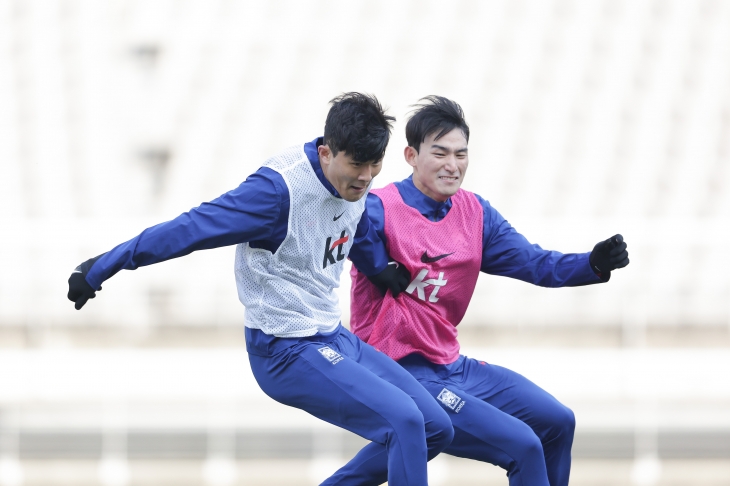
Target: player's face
(440, 165)
(349, 177)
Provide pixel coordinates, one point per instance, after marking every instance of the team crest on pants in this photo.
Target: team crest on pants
(451, 400)
(332, 356)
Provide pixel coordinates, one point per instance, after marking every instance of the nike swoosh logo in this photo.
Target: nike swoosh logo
(337, 217)
(427, 259)
(77, 271)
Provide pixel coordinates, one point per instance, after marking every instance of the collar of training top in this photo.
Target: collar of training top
(310, 149)
(430, 208)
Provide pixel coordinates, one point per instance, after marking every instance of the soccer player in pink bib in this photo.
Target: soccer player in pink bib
(445, 236)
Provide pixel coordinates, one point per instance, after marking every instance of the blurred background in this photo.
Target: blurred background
(588, 118)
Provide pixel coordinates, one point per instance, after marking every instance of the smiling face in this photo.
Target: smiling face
(440, 165)
(349, 177)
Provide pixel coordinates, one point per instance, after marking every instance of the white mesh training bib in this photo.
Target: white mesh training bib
(290, 293)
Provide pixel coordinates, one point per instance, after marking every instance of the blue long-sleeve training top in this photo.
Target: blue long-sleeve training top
(505, 252)
(256, 212)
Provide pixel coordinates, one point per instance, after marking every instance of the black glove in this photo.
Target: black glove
(609, 255)
(79, 291)
(395, 277)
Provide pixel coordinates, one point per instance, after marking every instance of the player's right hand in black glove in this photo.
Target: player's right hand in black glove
(79, 290)
(395, 278)
(609, 255)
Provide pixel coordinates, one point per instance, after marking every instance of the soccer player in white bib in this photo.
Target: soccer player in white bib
(445, 236)
(295, 220)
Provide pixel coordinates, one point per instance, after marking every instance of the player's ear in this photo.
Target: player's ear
(325, 154)
(410, 154)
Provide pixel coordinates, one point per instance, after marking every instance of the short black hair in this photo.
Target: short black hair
(436, 115)
(357, 125)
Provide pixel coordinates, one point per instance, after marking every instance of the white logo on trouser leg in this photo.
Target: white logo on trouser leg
(419, 285)
(451, 400)
(331, 355)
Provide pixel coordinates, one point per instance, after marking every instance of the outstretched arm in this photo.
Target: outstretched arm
(506, 252)
(250, 212)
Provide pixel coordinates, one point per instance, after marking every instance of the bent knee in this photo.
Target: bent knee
(406, 417)
(525, 453)
(440, 432)
(447, 434)
(565, 421)
(530, 446)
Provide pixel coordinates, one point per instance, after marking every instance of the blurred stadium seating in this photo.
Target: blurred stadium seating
(587, 118)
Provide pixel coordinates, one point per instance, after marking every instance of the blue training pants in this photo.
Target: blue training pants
(343, 381)
(502, 418)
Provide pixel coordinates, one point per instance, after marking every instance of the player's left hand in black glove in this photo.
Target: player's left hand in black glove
(79, 290)
(395, 278)
(609, 255)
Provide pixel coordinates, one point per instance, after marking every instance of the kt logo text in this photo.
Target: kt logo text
(329, 250)
(420, 283)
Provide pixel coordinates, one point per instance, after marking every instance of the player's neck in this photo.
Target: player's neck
(426, 192)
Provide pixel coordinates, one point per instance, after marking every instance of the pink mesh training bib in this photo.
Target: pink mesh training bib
(444, 258)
